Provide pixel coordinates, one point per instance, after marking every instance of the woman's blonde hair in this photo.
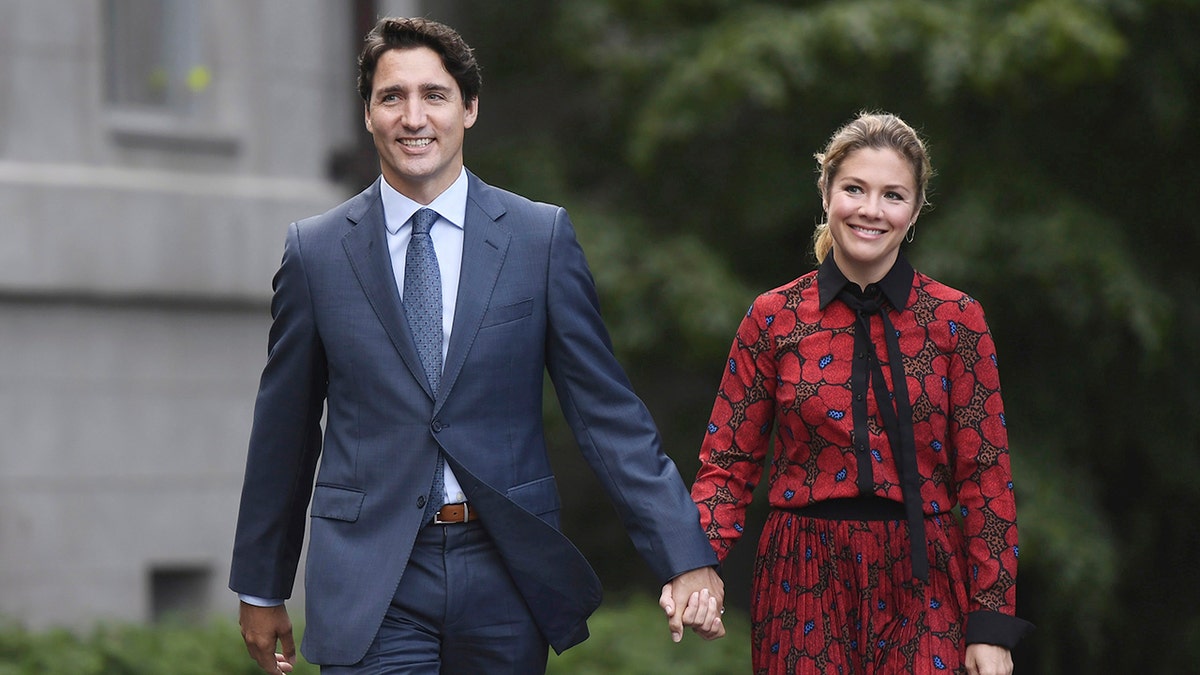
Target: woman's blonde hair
(879, 131)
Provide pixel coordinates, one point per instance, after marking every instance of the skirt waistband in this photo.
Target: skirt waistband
(852, 508)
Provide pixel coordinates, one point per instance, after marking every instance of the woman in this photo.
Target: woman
(891, 544)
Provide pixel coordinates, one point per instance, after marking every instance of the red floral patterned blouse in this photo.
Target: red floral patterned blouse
(790, 368)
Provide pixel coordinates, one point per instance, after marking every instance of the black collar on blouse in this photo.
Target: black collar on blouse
(896, 285)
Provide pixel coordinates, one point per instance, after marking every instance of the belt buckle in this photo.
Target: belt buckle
(466, 515)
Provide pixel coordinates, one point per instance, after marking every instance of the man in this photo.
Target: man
(420, 316)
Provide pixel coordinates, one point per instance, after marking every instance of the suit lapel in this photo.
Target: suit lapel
(485, 243)
(366, 247)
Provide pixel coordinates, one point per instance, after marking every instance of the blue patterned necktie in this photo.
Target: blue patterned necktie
(423, 307)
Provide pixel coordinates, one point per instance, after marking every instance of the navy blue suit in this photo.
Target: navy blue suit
(526, 305)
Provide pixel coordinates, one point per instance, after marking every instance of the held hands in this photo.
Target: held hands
(262, 629)
(695, 599)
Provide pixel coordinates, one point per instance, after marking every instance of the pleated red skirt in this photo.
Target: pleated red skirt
(837, 596)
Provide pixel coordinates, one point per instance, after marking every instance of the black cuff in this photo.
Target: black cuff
(994, 628)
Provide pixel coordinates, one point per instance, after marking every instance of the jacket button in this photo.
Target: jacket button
(421, 502)
(436, 426)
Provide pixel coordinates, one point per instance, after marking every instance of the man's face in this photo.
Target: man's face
(418, 119)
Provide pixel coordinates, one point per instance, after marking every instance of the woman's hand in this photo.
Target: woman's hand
(983, 659)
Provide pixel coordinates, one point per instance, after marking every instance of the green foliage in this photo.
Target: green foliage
(1065, 537)
(767, 55)
(130, 650)
(1064, 135)
(630, 637)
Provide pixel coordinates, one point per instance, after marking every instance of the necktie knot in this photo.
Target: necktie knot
(423, 221)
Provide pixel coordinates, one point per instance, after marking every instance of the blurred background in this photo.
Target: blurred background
(152, 153)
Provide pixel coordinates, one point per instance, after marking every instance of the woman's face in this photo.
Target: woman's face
(871, 202)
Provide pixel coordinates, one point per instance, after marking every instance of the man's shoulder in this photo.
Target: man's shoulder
(496, 201)
(335, 221)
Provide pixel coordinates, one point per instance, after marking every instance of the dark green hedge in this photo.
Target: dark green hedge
(628, 637)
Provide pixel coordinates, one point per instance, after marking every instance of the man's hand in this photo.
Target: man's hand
(696, 599)
(262, 629)
(983, 659)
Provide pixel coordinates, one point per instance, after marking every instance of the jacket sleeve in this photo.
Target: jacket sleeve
(285, 440)
(612, 426)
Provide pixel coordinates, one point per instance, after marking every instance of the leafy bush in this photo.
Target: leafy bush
(628, 637)
(128, 649)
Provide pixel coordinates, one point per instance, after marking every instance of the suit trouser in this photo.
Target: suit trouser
(455, 611)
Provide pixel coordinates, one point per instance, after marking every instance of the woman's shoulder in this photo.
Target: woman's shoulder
(946, 301)
(789, 294)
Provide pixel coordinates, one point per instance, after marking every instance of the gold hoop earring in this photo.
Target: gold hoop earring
(911, 234)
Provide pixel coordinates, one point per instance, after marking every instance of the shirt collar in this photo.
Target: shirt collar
(450, 205)
(895, 285)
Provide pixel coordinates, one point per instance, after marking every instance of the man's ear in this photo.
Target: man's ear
(472, 113)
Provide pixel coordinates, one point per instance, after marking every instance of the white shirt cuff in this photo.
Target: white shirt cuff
(259, 602)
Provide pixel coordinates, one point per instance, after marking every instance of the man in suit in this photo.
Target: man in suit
(420, 316)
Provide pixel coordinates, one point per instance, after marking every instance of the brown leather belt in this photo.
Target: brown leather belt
(455, 513)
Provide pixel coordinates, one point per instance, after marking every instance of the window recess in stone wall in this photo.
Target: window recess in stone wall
(180, 592)
(161, 82)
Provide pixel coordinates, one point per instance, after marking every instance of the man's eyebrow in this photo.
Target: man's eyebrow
(397, 88)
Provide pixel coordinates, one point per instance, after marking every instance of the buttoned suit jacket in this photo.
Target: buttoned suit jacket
(340, 346)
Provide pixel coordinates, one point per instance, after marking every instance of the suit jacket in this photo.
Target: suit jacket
(339, 342)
